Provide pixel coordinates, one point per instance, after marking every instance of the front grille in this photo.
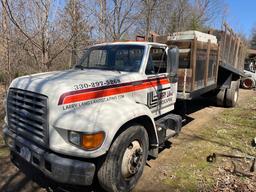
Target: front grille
(27, 115)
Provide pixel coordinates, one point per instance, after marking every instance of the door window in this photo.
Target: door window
(98, 58)
(157, 61)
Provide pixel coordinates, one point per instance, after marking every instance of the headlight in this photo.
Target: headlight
(90, 141)
(74, 138)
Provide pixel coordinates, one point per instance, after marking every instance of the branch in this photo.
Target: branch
(59, 52)
(13, 20)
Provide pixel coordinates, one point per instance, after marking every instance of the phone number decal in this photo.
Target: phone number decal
(96, 84)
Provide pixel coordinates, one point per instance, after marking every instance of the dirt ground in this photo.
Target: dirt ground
(181, 165)
(204, 114)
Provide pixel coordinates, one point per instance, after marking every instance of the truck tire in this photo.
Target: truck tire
(247, 83)
(232, 94)
(220, 97)
(125, 160)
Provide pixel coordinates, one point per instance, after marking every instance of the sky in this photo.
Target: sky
(241, 15)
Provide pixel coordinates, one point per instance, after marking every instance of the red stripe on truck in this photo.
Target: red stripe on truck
(104, 91)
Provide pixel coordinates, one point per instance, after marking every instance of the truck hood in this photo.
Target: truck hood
(54, 84)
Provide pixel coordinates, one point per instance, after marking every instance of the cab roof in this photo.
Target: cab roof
(145, 43)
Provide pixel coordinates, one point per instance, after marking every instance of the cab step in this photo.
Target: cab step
(168, 126)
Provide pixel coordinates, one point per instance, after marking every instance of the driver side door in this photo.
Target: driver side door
(161, 94)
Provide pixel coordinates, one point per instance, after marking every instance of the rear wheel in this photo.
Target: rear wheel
(125, 160)
(247, 83)
(220, 97)
(232, 94)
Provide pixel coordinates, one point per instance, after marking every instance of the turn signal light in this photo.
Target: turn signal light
(92, 141)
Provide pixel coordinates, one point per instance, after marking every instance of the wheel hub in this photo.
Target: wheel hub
(248, 83)
(132, 159)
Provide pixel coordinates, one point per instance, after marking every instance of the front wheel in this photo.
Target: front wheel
(125, 160)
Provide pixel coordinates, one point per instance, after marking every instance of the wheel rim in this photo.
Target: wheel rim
(248, 83)
(132, 159)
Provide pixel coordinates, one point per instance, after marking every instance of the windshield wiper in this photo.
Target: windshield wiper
(116, 70)
(110, 69)
(98, 68)
(80, 67)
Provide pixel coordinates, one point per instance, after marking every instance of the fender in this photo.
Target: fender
(121, 112)
(108, 117)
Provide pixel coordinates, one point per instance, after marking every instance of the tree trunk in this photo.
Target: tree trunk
(103, 19)
(74, 29)
(6, 44)
(148, 18)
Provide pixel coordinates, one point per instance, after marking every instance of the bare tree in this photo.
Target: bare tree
(103, 19)
(253, 38)
(170, 16)
(75, 21)
(122, 16)
(6, 44)
(148, 9)
(179, 17)
(36, 29)
(204, 12)
(42, 35)
(116, 18)
(164, 16)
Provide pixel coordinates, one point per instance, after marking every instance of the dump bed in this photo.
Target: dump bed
(232, 50)
(201, 57)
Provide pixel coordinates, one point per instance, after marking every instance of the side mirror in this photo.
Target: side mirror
(173, 63)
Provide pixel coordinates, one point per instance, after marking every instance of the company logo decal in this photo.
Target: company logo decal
(160, 97)
(111, 90)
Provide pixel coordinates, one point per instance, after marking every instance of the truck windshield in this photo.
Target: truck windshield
(113, 57)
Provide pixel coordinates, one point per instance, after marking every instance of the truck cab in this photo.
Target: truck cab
(249, 80)
(101, 119)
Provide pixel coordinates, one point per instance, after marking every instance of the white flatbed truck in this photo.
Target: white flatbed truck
(101, 119)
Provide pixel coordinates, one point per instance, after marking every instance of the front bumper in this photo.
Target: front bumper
(61, 169)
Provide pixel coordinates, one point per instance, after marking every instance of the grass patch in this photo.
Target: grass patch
(190, 173)
(235, 128)
(4, 152)
(230, 132)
